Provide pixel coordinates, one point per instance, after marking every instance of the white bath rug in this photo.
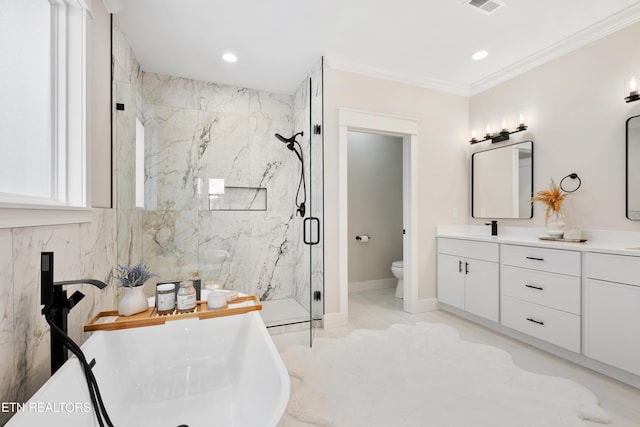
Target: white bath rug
(425, 375)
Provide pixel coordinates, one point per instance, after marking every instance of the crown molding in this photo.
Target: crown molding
(427, 83)
(600, 29)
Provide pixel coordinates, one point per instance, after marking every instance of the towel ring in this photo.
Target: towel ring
(572, 176)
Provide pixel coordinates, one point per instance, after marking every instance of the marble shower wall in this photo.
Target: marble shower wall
(206, 131)
(81, 251)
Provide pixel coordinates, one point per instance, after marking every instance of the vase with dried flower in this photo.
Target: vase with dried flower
(131, 279)
(554, 215)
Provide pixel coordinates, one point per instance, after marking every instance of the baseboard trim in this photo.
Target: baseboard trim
(372, 285)
(335, 320)
(424, 305)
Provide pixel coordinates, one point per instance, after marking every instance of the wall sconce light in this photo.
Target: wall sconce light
(633, 90)
(503, 135)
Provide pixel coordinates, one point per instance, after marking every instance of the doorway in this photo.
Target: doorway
(407, 130)
(375, 217)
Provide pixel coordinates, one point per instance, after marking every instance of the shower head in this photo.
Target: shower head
(289, 141)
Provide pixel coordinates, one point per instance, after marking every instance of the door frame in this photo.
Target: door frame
(407, 129)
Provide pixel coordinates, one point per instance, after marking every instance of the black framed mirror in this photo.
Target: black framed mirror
(502, 182)
(633, 168)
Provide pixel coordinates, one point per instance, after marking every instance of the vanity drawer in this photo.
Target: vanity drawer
(552, 290)
(547, 324)
(551, 260)
(614, 268)
(469, 249)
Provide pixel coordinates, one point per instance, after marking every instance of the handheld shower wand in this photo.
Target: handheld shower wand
(291, 145)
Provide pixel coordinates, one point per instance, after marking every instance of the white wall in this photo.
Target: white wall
(375, 204)
(576, 114)
(442, 158)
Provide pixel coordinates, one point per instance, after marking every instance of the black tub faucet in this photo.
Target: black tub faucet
(494, 227)
(56, 305)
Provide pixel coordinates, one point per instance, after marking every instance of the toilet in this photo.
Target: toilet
(397, 270)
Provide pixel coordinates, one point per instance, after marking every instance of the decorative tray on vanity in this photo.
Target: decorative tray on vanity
(111, 321)
(561, 239)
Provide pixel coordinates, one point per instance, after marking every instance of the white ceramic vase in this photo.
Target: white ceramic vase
(133, 301)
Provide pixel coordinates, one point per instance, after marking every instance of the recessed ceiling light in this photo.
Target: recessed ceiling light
(229, 57)
(481, 54)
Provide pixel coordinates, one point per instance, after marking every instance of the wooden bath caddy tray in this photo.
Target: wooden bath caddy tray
(111, 321)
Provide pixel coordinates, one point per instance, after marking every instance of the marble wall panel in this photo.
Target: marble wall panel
(273, 106)
(98, 255)
(223, 144)
(227, 99)
(272, 252)
(80, 251)
(170, 245)
(32, 332)
(129, 236)
(177, 130)
(222, 232)
(272, 165)
(8, 366)
(175, 92)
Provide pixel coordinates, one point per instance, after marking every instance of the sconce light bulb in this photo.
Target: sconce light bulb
(504, 124)
(521, 119)
(488, 129)
(633, 85)
(473, 133)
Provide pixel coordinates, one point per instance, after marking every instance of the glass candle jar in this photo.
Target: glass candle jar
(186, 301)
(165, 298)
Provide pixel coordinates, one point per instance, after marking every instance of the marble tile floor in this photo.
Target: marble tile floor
(378, 309)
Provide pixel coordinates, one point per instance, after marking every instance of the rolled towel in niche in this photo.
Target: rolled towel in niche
(363, 238)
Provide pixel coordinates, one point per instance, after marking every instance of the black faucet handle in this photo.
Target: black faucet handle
(74, 299)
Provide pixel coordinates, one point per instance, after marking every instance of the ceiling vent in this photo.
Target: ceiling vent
(485, 6)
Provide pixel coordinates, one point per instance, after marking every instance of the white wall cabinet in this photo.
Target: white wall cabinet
(612, 311)
(468, 276)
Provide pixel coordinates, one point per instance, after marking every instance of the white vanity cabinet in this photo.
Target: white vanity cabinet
(468, 276)
(612, 310)
(540, 293)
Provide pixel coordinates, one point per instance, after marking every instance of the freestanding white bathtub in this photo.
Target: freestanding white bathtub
(215, 372)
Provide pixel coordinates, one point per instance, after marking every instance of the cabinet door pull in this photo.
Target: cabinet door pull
(459, 266)
(535, 321)
(466, 268)
(535, 259)
(540, 288)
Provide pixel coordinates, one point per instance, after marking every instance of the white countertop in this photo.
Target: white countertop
(603, 241)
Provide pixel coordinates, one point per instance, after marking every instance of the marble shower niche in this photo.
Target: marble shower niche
(203, 138)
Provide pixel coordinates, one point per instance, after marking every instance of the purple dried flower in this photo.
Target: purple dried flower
(130, 277)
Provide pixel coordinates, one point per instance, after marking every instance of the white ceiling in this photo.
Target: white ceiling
(423, 42)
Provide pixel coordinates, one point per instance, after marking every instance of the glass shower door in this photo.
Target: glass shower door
(313, 225)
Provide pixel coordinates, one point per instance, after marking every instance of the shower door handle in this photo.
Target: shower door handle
(307, 224)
